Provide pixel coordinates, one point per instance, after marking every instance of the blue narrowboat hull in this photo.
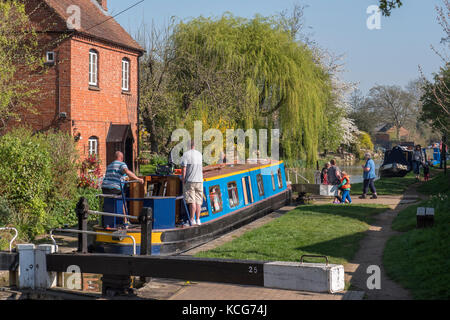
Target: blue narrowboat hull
(231, 200)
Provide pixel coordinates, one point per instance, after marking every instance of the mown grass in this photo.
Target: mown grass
(331, 230)
(419, 259)
(388, 186)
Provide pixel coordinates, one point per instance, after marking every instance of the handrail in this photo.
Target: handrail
(297, 174)
(14, 238)
(118, 215)
(93, 233)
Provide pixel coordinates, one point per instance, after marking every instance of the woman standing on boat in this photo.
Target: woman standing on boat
(417, 160)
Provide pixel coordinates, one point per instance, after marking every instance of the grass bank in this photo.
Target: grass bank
(419, 259)
(331, 230)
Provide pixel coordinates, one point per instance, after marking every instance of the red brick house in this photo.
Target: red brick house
(91, 82)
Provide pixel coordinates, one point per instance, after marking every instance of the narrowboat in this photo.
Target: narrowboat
(233, 195)
(397, 162)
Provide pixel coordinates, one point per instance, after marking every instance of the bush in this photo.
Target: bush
(38, 176)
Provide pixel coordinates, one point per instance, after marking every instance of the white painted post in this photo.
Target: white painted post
(44, 279)
(26, 265)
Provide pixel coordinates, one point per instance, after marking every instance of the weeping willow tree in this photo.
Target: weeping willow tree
(253, 74)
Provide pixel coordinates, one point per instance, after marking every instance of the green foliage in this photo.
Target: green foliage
(38, 176)
(364, 140)
(386, 6)
(419, 258)
(436, 101)
(252, 74)
(25, 179)
(19, 53)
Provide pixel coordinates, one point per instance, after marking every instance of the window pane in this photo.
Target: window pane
(93, 71)
(273, 182)
(233, 194)
(260, 184)
(93, 146)
(216, 199)
(125, 74)
(280, 179)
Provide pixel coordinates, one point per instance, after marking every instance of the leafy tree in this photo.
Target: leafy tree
(20, 55)
(386, 6)
(270, 78)
(436, 102)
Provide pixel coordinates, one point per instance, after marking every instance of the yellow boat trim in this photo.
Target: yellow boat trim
(243, 171)
(156, 238)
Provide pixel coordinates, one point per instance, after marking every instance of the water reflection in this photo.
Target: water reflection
(354, 170)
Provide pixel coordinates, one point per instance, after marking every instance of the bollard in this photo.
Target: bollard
(26, 266)
(82, 214)
(44, 279)
(146, 221)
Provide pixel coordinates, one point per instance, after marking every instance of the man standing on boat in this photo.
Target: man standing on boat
(192, 179)
(369, 177)
(115, 171)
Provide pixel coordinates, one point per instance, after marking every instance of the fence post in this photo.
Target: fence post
(82, 213)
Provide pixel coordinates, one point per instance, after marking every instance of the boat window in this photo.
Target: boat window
(233, 194)
(215, 196)
(259, 179)
(273, 181)
(280, 179)
(244, 188)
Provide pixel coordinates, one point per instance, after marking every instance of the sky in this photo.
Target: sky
(390, 55)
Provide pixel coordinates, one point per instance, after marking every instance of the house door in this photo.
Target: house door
(120, 138)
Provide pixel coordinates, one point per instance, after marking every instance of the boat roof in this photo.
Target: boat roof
(221, 170)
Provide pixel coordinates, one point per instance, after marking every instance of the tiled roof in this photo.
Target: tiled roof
(94, 22)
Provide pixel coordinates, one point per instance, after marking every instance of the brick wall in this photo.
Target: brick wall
(65, 86)
(94, 110)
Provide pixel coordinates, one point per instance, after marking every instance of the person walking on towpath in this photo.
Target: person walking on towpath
(369, 176)
(418, 160)
(334, 178)
(345, 187)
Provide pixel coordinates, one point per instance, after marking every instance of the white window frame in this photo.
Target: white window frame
(93, 68)
(125, 74)
(93, 146)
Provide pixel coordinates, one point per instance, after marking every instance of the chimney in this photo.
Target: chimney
(103, 3)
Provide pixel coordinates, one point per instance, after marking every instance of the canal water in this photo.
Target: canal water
(354, 170)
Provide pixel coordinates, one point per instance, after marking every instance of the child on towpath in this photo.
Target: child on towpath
(345, 187)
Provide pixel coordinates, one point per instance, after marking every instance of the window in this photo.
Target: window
(280, 179)
(93, 146)
(259, 180)
(273, 181)
(233, 194)
(125, 74)
(215, 196)
(93, 68)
